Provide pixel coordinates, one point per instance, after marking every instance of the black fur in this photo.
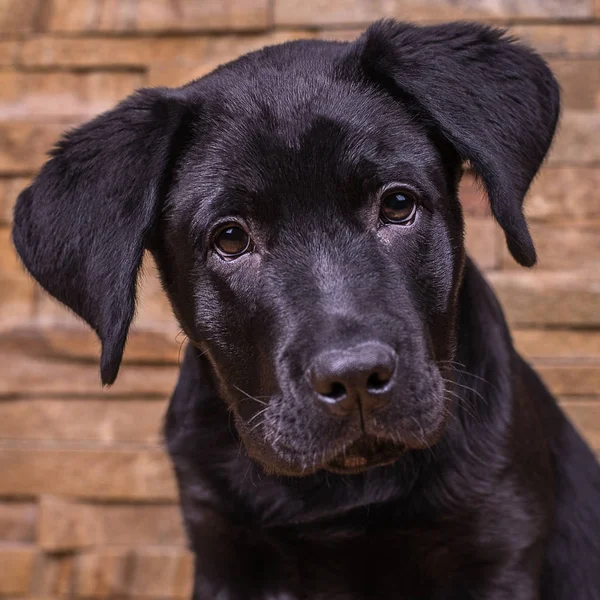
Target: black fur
(467, 483)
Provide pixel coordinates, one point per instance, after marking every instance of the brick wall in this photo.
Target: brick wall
(87, 500)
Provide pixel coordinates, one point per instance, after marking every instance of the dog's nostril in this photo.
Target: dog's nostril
(336, 391)
(378, 380)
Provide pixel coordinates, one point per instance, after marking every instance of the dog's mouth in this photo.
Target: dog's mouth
(366, 453)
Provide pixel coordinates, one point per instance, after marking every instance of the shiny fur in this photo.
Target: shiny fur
(475, 486)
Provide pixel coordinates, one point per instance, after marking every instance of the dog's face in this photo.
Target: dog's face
(313, 252)
(301, 205)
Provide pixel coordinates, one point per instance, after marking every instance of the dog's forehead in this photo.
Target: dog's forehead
(297, 125)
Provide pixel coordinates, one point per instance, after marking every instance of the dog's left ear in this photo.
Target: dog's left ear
(493, 99)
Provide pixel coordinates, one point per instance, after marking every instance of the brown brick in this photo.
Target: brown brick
(162, 573)
(577, 139)
(566, 41)
(29, 373)
(52, 576)
(82, 420)
(24, 146)
(565, 193)
(558, 345)
(548, 298)
(33, 360)
(156, 15)
(104, 474)
(484, 242)
(17, 522)
(153, 309)
(326, 12)
(585, 415)
(147, 51)
(340, 35)
(16, 287)
(55, 96)
(563, 246)
(8, 52)
(10, 188)
(473, 197)
(109, 52)
(571, 380)
(580, 83)
(17, 16)
(17, 568)
(103, 573)
(215, 51)
(77, 341)
(67, 525)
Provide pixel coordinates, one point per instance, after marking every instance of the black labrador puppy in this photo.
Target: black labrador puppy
(352, 420)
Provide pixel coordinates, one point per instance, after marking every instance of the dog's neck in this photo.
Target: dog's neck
(201, 437)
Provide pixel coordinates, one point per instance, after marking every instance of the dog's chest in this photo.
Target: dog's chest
(420, 566)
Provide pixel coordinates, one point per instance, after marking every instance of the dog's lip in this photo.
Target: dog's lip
(365, 453)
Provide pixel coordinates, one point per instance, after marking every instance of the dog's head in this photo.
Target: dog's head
(301, 204)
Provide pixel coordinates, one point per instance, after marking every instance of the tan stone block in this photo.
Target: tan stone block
(340, 35)
(472, 197)
(157, 15)
(103, 474)
(28, 369)
(52, 576)
(564, 193)
(17, 294)
(24, 146)
(484, 242)
(16, 287)
(103, 573)
(579, 81)
(153, 308)
(162, 573)
(54, 339)
(558, 344)
(30, 374)
(572, 41)
(563, 246)
(17, 16)
(67, 525)
(585, 415)
(215, 51)
(8, 52)
(532, 298)
(109, 52)
(10, 188)
(17, 522)
(327, 12)
(91, 420)
(17, 568)
(62, 95)
(571, 379)
(577, 140)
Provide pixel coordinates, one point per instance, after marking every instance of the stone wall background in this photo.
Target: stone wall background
(87, 501)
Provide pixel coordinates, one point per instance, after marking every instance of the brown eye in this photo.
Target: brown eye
(398, 208)
(232, 241)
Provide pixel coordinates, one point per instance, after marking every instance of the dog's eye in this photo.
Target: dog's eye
(398, 208)
(232, 241)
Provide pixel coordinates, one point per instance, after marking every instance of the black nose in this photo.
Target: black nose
(356, 378)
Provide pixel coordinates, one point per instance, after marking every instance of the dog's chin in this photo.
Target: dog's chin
(365, 453)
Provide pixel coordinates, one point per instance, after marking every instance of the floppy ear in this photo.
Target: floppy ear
(494, 100)
(81, 227)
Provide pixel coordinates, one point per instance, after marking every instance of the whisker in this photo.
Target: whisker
(251, 397)
(466, 387)
(260, 412)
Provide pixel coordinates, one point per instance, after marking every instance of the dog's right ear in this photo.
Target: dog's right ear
(81, 227)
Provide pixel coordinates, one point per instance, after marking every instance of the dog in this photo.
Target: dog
(351, 419)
